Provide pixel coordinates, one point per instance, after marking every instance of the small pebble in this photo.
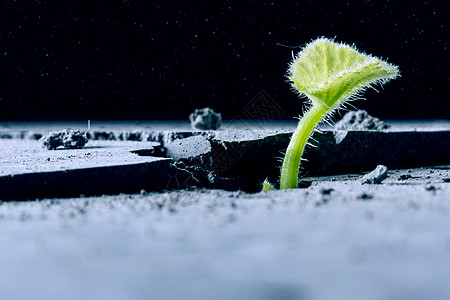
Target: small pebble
(325, 191)
(205, 119)
(404, 177)
(376, 176)
(430, 188)
(365, 196)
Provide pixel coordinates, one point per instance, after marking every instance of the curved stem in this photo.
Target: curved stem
(291, 162)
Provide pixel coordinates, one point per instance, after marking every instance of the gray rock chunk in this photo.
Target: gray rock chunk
(66, 139)
(190, 147)
(376, 176)
(192, 156)
(205, 119)
(360, 120)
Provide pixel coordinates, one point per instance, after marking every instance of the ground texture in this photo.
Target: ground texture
(336, 239)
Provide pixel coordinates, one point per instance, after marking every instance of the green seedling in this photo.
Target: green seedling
(328, 74)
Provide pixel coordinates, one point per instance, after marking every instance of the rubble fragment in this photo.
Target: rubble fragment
(360, 120)
(205, 119)
(376, 176)
(65, 139)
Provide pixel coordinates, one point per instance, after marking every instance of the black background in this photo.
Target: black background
(161, 59)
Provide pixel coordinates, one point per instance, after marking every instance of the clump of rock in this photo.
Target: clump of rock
(205, 119)
(65, 139)
(360, 120)
(376, 176)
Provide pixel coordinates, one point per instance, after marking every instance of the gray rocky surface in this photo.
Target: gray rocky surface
(28, 156)
(190, 147)
(230, 159)
(121, 130)
(27, 171)
(333, 240)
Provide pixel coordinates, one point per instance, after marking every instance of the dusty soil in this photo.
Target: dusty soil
(333, 240)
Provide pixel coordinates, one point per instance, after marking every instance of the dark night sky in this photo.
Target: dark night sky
(161, 59)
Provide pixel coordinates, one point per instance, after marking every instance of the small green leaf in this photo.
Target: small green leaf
(329, 73)
(267, 186)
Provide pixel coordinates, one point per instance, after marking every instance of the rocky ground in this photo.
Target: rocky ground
(335, 239)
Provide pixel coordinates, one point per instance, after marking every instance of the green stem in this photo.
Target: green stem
(291, 162)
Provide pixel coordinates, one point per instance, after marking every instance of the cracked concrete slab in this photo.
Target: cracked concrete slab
(28, 156)
(231, 158)
(27, 171)
(256, 158)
